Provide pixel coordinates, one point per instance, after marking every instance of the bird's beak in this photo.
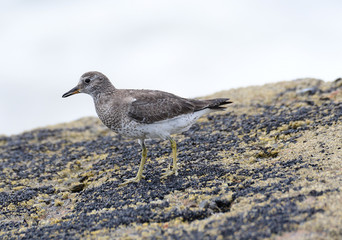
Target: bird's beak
(71, 92)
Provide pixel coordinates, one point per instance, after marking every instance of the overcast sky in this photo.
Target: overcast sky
(190, 48)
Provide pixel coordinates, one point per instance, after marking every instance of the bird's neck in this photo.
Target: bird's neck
(108, 89)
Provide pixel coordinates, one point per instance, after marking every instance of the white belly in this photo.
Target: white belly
(162, 129)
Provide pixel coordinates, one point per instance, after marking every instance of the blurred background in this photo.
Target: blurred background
(190, 48)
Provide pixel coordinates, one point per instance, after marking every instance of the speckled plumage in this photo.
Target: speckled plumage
(143, 114)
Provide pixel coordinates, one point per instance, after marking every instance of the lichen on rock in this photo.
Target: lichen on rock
(268, 167)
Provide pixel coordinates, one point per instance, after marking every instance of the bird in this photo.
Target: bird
(144, 114)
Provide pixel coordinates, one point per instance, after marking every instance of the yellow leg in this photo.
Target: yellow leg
(174, 169)
(141, 167)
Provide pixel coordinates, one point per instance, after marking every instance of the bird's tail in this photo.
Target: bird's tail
(218, 103)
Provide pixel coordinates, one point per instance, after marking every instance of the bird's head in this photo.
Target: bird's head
(91, 83)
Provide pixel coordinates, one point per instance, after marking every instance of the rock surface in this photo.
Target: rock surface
(269, 167)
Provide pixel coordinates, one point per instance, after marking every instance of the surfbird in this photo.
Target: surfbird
(144, 114)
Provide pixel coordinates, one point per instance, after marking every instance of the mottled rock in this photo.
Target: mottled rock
(269, 167)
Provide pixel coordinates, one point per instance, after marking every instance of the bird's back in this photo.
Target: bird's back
(149, 106)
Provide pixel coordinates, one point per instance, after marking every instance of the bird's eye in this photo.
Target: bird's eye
(87, 80)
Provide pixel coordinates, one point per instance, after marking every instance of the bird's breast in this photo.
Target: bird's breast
(110, 114)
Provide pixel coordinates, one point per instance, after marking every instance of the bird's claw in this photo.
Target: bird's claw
(131, 180)
(168, 173)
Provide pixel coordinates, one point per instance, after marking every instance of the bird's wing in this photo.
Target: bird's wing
(152, 106)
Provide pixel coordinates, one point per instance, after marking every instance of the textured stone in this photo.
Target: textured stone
(270, 167)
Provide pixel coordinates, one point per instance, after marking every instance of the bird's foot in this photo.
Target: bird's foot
(131, 180)
(169, 172)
